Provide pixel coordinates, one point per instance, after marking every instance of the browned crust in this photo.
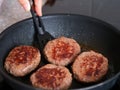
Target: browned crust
(22, 60)
(52, 77)
(90, 67)
(61, 51)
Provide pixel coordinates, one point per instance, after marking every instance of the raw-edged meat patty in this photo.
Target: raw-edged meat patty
(22, 60)
(61, 51)
(52, 77)
(90, 67)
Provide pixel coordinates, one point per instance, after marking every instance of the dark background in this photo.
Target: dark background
(107, 10)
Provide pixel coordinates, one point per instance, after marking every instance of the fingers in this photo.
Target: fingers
(25, 4)
(38, 7)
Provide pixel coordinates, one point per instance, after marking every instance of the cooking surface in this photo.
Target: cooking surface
(95, 8)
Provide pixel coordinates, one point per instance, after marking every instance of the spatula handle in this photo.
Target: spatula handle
(37, 21)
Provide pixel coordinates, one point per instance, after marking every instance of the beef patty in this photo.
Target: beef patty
(52, 77)
(22, 60)
(61, 51)
(90, 67)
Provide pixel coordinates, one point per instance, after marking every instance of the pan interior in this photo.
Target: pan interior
(90, 33)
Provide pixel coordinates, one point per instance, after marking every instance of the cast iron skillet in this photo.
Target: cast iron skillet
(89, 32)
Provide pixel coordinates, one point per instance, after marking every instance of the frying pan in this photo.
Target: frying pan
(89, 32)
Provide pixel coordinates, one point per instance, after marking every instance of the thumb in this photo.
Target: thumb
(38, 7)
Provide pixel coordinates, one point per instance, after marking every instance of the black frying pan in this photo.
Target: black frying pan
(89, 32)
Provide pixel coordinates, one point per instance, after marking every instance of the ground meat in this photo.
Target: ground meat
(90, 67)
(52, 77)
(22, 60)
(61, 51)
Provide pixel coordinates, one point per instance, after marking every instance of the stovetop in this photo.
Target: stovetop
(5, 86)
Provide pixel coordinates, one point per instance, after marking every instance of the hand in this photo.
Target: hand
(37, 7)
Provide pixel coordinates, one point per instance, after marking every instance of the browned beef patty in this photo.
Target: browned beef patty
(22, 60)
(52, 77)
(90, 67)
(61, 51)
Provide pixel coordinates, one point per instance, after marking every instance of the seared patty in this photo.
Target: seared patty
(22, 60)
(90, 67)
(52, 77)
(61, 51)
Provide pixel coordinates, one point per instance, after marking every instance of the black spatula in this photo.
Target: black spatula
(41, 35)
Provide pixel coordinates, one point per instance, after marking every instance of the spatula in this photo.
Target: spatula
(41, 35)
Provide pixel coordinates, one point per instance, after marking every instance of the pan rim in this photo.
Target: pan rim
(56, 15)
